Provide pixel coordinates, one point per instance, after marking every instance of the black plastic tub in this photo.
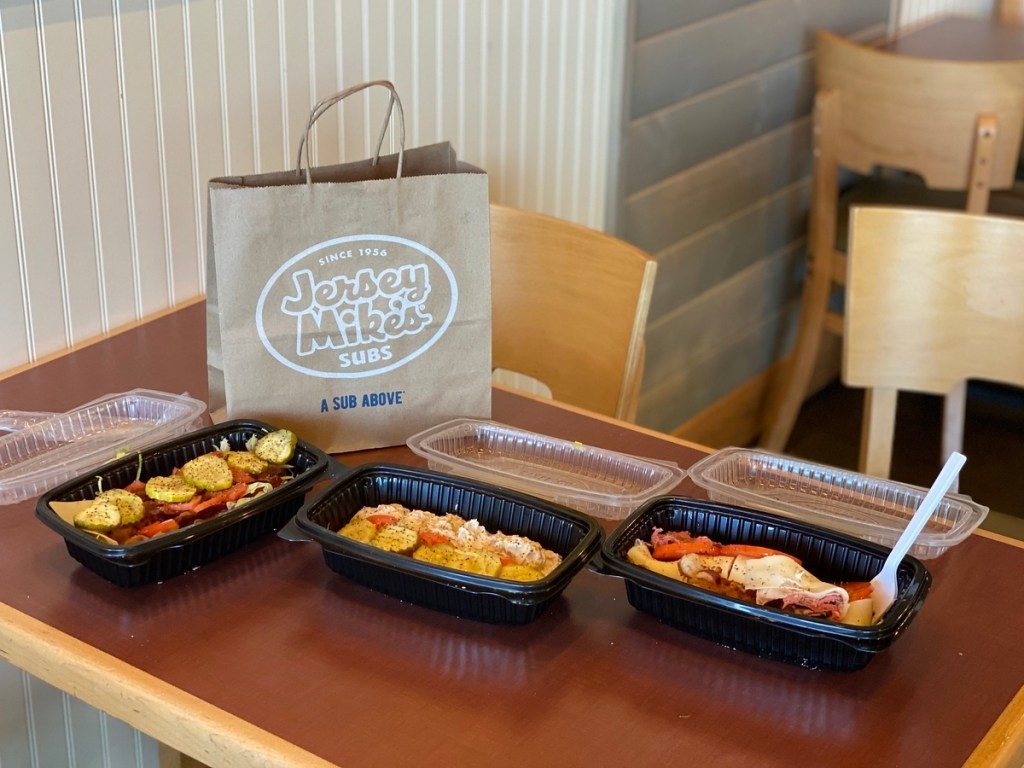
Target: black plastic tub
(768, 632)
(572, 535)
(177, 552)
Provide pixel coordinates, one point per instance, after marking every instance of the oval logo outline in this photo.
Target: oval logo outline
(272, 281)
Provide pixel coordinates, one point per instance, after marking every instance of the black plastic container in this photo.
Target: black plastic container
(768, 632)
(572, 535)
(177, 552)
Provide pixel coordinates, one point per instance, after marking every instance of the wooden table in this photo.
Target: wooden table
(267, 658)
(961, 38)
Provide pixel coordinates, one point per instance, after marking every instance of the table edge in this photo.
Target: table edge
(1003, 744)
(172, 716)
(218, 738)
(92, 341)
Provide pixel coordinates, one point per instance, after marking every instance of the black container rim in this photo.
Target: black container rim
(524, 593)
(141, 552)
(867, 638)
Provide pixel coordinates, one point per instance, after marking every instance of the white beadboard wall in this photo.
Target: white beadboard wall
(908, 13)
(115, 113)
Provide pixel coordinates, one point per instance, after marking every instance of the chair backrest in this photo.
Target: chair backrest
(1010, 11)
(933, 298)
(921, 115)
(956, 124)
(569, 307)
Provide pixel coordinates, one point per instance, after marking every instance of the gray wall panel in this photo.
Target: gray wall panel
(699, 264)
(654, 17)
(669, 141)
(714, 181)
(675, 66)
(672, 140)
(661, 216)
(786, 93)
(701, 383)
(715, 320)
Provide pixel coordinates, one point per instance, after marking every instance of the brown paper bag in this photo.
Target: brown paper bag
(352, 303)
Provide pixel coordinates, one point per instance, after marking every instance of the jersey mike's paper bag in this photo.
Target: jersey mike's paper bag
(353, 309)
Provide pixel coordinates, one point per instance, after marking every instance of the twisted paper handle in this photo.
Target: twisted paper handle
(326, 103)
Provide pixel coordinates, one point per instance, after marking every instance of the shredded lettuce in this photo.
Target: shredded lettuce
(253, 490)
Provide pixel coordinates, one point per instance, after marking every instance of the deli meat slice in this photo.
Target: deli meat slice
(751, 573)
(775, 578)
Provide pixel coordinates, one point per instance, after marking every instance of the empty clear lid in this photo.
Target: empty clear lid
(52, 448)
(872, 508)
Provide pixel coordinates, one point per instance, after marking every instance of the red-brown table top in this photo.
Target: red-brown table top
(961, 38)
(269, 634)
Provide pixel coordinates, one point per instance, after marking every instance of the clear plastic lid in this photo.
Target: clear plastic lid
(868, 507)
(53, 448)
(12, 421)
(592, 480)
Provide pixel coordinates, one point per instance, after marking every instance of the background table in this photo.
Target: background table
(266, 657)
(963, 38)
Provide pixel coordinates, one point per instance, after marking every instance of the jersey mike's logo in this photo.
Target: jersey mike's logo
(356, 306)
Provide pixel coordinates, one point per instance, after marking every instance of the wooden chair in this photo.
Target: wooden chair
(569, 309)
(1010, 11)
(955, 125)
(933, 298)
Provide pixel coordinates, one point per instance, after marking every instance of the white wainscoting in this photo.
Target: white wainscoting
(908, 13)
(115, 113)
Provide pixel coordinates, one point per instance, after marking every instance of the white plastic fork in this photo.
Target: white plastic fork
(884, 587)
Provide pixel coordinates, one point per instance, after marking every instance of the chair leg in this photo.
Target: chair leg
(791, 389)
(877, 432)
(954, 412)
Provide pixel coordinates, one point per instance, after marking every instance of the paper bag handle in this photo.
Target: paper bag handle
(326, 103)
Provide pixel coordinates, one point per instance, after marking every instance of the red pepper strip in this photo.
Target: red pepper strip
(677, 549)
(163, 526)
(240, 476)
(137, 487)
(752, 550)
(223, 497)
(381, 520)
(858, 590)
(430, 538)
